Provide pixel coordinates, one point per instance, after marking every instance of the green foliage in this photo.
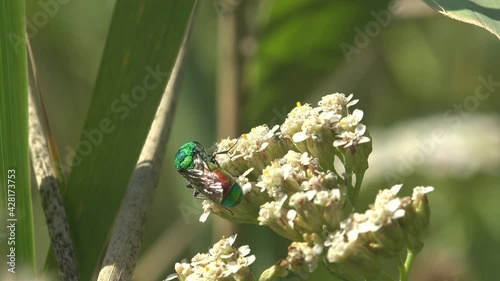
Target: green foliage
(15, 204)
(300, 43)
(141, 48)
(483, 13)
(419, 65)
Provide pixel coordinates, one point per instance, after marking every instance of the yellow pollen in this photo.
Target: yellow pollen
(299, 104)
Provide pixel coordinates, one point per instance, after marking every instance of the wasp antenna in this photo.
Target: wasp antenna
(213, 160)
(212, 156)
(226, 151)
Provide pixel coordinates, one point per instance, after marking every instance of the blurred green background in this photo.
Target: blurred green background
(414, 71)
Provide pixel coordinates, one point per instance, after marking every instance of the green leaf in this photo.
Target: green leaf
(141, 48)
(483, 13)
(15, 201)
(300, 45)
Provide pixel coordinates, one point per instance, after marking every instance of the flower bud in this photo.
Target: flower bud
(274, 215)
(303, 257)
(389, 227)
(275, 271)
(253, 150)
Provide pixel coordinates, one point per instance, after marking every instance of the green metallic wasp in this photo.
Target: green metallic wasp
(204, 174)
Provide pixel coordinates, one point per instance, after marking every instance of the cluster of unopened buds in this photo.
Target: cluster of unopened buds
(302, 180)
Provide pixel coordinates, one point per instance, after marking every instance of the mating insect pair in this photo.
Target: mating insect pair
(204, 174)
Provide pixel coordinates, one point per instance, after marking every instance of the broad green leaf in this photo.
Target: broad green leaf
(483, 13)
(16, 236)
(301, 43)
(143, 42)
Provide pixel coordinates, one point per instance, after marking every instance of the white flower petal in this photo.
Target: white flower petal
(360, 129)
(338, 143)
(231, 239)
(275, 128)
(393, 205)
(291, 215)
(247, 172)
(263, 146)
(310, 194)
(299, 137)
(351, 103)
(204, 216)
(399, 214)
(396, 188)
(363, 140)
(227, 256)
(232, 267)
(247, 187)
(250, 260)
(244, 250)
(358, 114)
(172, 277)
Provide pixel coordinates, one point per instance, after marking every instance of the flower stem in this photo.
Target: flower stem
(357, 188)
(385, 277)
(404, 269)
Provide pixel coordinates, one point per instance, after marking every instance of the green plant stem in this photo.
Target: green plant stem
(385, 277)
(357, 188)
(50, 195)
(404, 269)
(353, 191)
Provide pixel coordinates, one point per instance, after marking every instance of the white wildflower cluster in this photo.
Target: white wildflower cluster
(290, 184)
(272, 166)
(318, 130)
(222, 262)
(254, 150)
(305, 197)
(390, 226)
(305, 256)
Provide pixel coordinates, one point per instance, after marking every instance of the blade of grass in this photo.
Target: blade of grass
(141, 48)
(126, 240)
(14, 155)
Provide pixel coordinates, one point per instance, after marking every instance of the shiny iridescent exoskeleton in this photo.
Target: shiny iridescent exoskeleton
(204, 174)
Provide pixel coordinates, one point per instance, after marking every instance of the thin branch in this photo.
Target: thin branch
(123, 250)
(51, 197)
(232, 31)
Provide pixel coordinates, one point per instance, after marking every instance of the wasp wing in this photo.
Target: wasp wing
(204, 180)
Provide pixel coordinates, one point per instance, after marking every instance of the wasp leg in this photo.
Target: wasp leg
(196, 193)
(213, 160)
(227, 209)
